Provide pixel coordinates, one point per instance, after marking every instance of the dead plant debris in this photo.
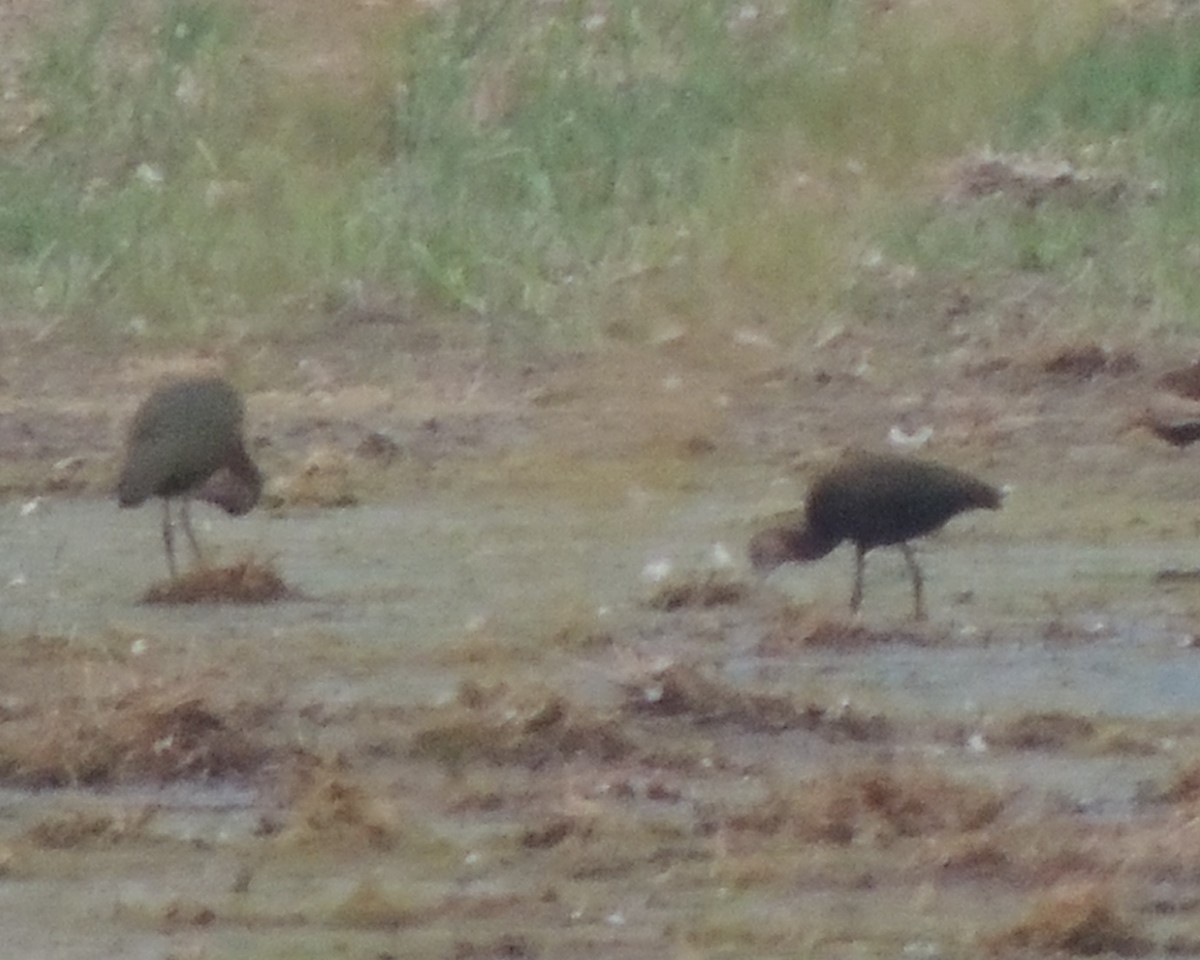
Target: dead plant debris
(1034, 182)
(878, 804)
(180, 913)
(378, 446)
(681, 689)
(711, 588)
(796, 628)
(509, 945)
(371, 907)
(324, 480)
(1078, 920)
(1071, 631)
(1170, 575)
(1050, 730)
(149, 733)
(330, 805)
(247, 581)
(1182, 381)
(975, 856)
(549, 834)
(1084, 361)
(598, 841)
(78, 828)
(531, 728)
(1184, 787)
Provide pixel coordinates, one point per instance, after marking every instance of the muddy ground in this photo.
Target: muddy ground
(525, 700)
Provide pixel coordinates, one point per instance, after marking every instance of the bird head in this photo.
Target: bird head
(774, 546)
(769, 549)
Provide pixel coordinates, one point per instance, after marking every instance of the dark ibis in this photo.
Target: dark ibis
(874, 500)
(186, 443)
(1176, 425)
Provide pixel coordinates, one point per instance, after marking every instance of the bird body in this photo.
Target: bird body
(1179, 432)
(186, 441)
(1175, 419)
(873, 500)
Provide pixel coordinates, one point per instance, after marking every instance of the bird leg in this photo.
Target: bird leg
(185, 513)
(168, 535)
(860, 556)
(917, 582)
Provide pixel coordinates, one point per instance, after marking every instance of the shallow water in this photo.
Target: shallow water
(1072, 626)
(1028, 627)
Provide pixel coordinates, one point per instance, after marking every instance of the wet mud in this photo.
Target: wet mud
(518, 724)
(521, 696)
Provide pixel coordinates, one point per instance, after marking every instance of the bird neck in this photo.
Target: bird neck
(807, 543)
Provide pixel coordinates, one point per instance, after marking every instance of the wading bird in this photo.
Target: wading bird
(186, 443)
(1179, 432)
(873, 500)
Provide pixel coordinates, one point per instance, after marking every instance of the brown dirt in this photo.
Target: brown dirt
(606, 796)
(565, 795)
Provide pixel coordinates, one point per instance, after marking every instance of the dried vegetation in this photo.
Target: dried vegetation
(79, 828)
(330, 807)
(326, 479)
(876, 804)
(712, 588)
(247, 581)
(152, 731)
(531, 727)
(1079, 921)
(681, 690)
(793, 628)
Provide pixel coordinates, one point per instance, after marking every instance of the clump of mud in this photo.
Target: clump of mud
(149, 733)
(873, 805)
(1083, 361)
(530, 727)
(1079, 920)
(247, 581)
(711, 588)
(682, 690)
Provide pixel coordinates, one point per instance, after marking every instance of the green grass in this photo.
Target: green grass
(557, 174)
(1125, 106)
